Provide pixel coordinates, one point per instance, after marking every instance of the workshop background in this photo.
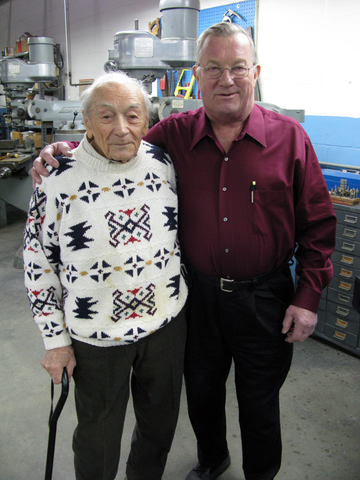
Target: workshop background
(309, 51)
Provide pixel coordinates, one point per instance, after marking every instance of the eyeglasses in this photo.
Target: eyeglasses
(238, 71)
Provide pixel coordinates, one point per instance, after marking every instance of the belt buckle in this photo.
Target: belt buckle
(222, 280)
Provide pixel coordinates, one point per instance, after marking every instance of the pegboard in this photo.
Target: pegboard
(209, 16)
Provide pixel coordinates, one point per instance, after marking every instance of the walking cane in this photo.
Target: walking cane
(54, 415)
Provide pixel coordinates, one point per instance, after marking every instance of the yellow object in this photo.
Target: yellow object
(154, 27)
(17, 136)
(187, 89)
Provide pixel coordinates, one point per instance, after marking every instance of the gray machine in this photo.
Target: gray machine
(18, 75)
(139, 53)
(144, 56)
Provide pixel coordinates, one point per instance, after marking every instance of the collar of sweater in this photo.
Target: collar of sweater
(92, 159)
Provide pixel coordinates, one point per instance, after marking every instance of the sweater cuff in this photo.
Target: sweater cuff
(63, 340)
(306, 298)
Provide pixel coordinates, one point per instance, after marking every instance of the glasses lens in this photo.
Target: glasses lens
(239, 71)
(213, 72)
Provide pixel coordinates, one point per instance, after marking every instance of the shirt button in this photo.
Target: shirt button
(225, 219)
(226, 250)
(226, 159)
(224, 189)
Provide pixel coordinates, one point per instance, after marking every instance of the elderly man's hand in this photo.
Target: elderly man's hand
(47, 155)
(298, 323)
(56, 359)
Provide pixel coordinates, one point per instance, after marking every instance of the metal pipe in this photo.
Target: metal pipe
(66, 36)
(68, 52)
(9, 24)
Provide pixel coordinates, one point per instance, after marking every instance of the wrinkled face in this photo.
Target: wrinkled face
(117, 121)
(227, 98)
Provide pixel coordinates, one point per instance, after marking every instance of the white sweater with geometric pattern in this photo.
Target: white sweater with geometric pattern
(101, 255)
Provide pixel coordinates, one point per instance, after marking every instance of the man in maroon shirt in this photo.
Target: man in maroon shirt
(251, 194)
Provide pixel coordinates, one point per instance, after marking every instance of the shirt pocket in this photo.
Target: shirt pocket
(271, 211)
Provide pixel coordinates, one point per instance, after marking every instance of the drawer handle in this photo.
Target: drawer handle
(341, 323)
(349, 233)
(350, 247)
(342, 311)
(346, 273)
(348, 260)
(343, 298)
(345, 286)
(350, 219)
(339, 336)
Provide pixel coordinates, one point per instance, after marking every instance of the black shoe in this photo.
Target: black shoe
(208, 473)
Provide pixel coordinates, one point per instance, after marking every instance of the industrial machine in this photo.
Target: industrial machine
(139, 53)
(144, 56)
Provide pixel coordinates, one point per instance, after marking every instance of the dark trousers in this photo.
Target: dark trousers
(244, 327)
(154, 366)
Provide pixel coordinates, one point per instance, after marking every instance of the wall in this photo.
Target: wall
(308, 49)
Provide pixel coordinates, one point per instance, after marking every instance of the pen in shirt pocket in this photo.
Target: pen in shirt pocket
(253, 188)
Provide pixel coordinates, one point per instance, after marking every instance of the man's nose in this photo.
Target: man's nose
(226, 76)
(120, 125)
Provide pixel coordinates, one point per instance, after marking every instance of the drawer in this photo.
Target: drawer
(342, 285)
(322, 304)
(346, 259)
(347, 246)
(341, 298)
(342, 325)
(320, 326)
(345, 272)
(321, 315)
(346, 313)
(346, 232)
(347, 218)
(340, 337)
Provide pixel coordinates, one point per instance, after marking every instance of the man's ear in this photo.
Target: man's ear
(87, 125)
(195, 70)
(146, 128)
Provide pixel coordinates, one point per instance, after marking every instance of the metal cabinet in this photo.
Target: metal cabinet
(338, 321)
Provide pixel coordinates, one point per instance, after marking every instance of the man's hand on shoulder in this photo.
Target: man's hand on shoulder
(47, 155)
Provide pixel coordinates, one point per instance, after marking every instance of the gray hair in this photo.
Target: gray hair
(224, 29)
(119, 78)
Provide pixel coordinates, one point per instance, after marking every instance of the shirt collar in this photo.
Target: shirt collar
(202, 128)
(254, 127)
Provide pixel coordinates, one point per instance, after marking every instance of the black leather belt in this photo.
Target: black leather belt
(228, 285)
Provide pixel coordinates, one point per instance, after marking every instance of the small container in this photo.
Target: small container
(17, 136)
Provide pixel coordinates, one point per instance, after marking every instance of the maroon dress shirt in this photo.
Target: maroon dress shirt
(243, 213)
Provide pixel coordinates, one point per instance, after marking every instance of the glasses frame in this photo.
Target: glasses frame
(226, 68)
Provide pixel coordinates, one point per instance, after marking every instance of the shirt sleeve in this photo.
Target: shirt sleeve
(157, 135)
(41, 264)
(315, 233)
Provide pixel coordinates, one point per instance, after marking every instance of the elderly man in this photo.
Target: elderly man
(102, 271)
(251, 193)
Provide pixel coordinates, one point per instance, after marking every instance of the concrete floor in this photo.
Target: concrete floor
(320, 401)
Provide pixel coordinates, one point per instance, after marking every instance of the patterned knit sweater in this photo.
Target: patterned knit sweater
(101, 256)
